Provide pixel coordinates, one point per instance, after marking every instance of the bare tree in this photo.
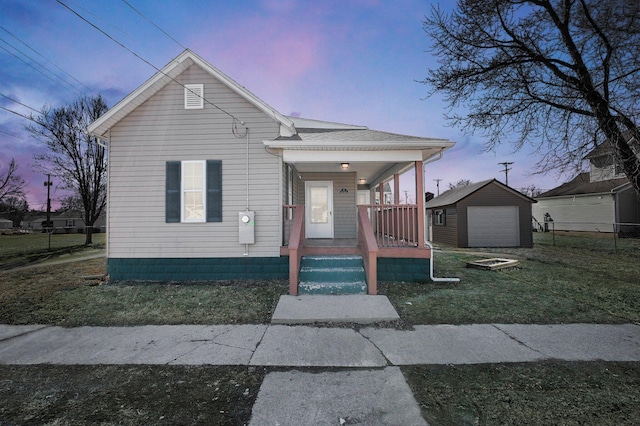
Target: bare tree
(75, 157)
(11, 183)
(14, 209)
(461, 182)
(562, 75)
(531, 191)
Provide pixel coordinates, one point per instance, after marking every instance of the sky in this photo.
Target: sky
(349, 61)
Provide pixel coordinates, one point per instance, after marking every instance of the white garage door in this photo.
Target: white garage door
(495, 226)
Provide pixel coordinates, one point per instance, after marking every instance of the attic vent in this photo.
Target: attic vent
(193, 96)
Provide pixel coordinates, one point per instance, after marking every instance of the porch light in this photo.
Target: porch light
(362, 181)
(344, 166)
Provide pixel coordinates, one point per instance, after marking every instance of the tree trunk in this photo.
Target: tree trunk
(88, 230)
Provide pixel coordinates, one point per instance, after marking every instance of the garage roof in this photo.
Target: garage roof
(454, 195)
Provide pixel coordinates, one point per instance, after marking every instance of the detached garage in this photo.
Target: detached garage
(483, 214)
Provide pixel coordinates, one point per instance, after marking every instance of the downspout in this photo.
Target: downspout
(434, 279)
(427, 243)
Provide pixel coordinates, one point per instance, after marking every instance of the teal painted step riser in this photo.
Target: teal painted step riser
(338, 263)
(332, 274)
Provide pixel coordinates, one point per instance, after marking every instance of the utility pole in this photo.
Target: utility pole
(506, 165)
(438, 185)
(48, 185)
(406, 198)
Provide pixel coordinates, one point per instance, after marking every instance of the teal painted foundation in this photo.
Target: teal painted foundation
(248, 268)
(198, 269)
(401, 269)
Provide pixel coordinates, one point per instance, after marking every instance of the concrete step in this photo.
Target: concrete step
(332, 275)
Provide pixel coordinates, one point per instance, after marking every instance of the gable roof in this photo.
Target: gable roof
(582, 185)
(455, 195)
(168, 74)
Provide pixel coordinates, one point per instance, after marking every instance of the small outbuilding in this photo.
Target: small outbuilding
(483, 214)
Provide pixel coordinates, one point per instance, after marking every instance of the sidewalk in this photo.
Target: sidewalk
(368, 388)
(307, 346)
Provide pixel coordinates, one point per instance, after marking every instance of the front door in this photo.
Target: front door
(319, 209)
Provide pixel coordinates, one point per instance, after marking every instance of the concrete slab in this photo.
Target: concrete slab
(11, 331)
(361, 397)
(134, 345)
(449, 344)
(580, 342)
(310, 346)
(361, 309)
(234, 347)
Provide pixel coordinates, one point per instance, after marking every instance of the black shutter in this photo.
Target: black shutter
(173, 192)
(214, 191)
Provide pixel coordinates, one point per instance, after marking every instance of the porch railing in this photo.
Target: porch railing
(295, 241)
(394, 225)
(369, 247)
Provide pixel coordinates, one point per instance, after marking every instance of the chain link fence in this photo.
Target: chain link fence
(615, 237)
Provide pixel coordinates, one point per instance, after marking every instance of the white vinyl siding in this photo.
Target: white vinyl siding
(193, 96)
(161, 131)
(593, 212)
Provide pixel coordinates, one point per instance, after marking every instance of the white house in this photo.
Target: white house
(208, 182)
(593, 201)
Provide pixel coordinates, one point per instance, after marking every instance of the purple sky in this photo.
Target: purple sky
(349, 61)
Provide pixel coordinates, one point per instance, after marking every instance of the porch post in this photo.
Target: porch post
(420, 201)
(396, 189)
(381, 191)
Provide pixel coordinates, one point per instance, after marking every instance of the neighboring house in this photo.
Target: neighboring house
(483, 214)
(6, 224)
(593, 201)
(64, 223)
(208, 182)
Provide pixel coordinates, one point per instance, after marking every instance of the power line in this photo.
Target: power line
(17, 113)
(36, 69)
(10, 134)
(506, 165)
(39, 54)
(438, 185)
(152, 23)
(18, 102)
(144, 60)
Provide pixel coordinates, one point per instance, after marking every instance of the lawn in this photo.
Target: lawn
(567, 282)
(552, 284)
(17, 249)
(573, 281)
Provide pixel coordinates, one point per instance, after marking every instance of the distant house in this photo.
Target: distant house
(63, 223)
(592, 201)
(6, 224)
(208, 182)
(483, 214)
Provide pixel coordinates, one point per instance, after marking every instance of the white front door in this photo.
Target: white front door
(319, 209)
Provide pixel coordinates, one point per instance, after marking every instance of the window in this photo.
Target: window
(439, 217)
(192, 194)
(194, 191)
(193, 96)
(69, 223)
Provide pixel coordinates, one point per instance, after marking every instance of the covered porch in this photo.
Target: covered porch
(341, 195)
